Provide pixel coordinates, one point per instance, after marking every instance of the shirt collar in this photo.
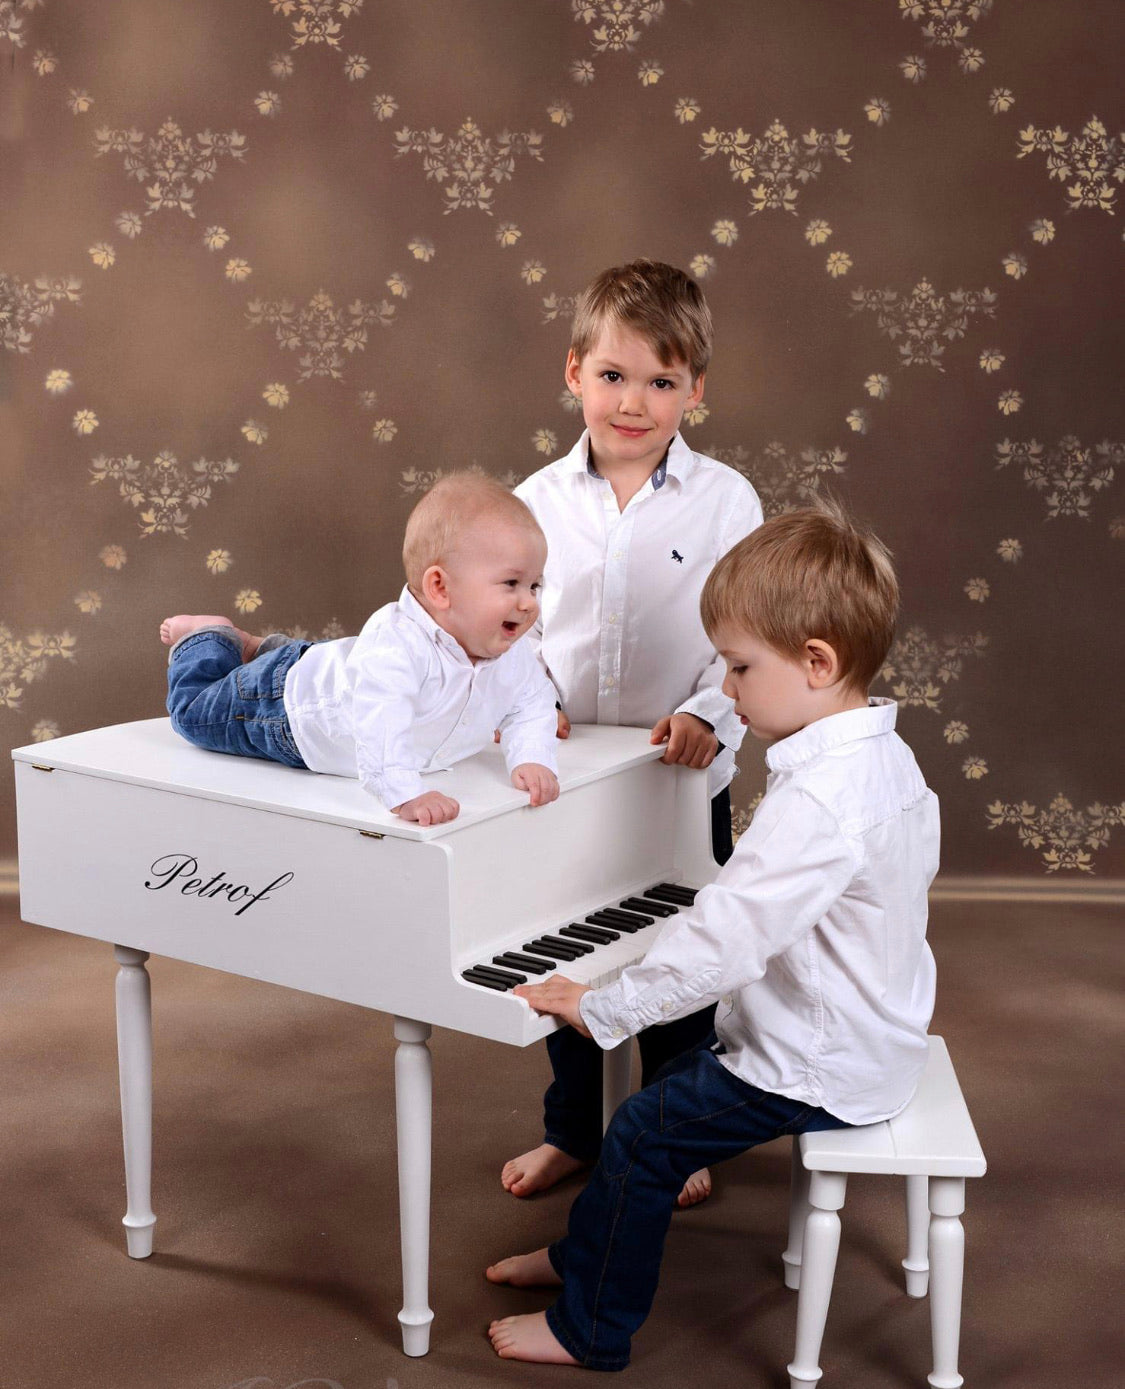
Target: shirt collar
(409, 605)
(678, 462)
(827, 734)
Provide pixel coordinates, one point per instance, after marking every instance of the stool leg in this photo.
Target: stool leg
(413, 1102)
(617, 1070)
(798, 1214)
(134, 1066)
(818, 1267)
(947, 1267)
(916, 1263)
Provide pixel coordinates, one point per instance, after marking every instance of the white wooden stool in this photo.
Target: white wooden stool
(934, 1145)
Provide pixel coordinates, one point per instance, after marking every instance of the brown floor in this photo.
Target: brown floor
(275, 1190)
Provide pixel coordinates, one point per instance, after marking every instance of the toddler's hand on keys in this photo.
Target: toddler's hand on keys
(559, 996)
(691, 742)
(430, 808)
(541, 784)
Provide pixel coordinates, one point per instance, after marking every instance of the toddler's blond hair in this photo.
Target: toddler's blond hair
(809, 574)
(454, 507)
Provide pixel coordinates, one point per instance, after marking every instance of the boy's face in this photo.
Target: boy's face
(491, 586)
(631, 401)
(772, 692)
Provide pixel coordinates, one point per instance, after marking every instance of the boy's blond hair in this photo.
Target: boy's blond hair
(454, 507)
(662, 304)
(809, 574)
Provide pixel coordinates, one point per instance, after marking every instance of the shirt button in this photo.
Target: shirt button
(728, 1000)
(619, 554)
(612, 617)
(666, 1006)
(618, 1032)
(609, 682)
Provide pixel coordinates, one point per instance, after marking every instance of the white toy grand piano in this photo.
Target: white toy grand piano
(132, 836)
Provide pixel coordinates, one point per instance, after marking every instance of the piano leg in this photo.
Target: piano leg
(616, 1079)
(134, 1065)
(413, 1097)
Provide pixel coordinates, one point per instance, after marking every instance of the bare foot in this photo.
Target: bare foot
(525, 1271)
(173, 629)
(527, 1338)
(697, 1188)
(538, 1170)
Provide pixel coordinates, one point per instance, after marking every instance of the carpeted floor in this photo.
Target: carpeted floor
(276, 1260)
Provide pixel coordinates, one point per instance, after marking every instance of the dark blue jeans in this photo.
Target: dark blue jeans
(572, 1105)
(694, 1114)
(220, 704)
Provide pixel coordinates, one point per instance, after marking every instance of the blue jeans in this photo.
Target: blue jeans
(572, 1105)
(694, 1114)
(220, 704)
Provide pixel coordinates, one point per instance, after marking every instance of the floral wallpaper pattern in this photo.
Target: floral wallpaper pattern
(268, 268)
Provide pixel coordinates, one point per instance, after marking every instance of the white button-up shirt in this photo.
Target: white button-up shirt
(814, 934)
(619, 631)
(403, 698)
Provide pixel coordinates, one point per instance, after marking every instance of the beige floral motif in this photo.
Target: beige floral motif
(421, 249)
(532, 271)
(1010, 402)
(268, 104)
(25, 305)
(256, 433)
(1000, 99)
(276, 393)
(955, 732)
(1067, 475)
(1015, 265)
(356, 67)
(113, 556)
(878, 110)
(236, 270)
(686, 109)
(617, 21)
(12, 23)
(560, 112)
(946, 24)
(974, 768)
(991, 359)
(740, 820)
(218, 561)
(649, 73)
(702, 265)
(368, 400)
(696, 414)
(582, 71)
(247, 600)
(924, 318)
(215, 238)
(167, 489)
(1070, 836)
(507, 233)
(43, 730)
(88, 601)
(84, 422)
(467, 162)
(1091, 158)
(784, 481)
(858, 420)
(1043, 231)
(399, 285)
(317, 22)
(878, 385)
(24, 660)
(776, 160)
(1117, 528)
(103, 255)
(417, 480)
(725, 232)
(558, 306)
(838, 263)
(323, 331)
(58, 381)
(913, 68)
(570, 402)
(44, 62)
(79, 101)
(281, 66)
(978, 590)
(918, 668)
(129, 224)
(170, 163)
(384, 106)
(383, 431)
(817, 232)
(1010, 551)
(545, 441)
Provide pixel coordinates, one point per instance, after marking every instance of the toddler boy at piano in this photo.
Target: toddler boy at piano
(634, 521)
(813, 935)
(424, 684)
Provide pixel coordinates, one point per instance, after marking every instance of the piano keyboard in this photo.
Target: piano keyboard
(593, 951)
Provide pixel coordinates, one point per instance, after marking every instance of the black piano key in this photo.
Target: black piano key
(633, 918)
(655, 895)
(582, 946)
(504, 975)
(553, 952)
(688, 892)
(641, 905)
(514, 960)
(613, 923)
(597, 935)
(474, 977)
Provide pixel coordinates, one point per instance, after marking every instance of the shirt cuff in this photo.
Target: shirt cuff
(598, 1009)
(521, 750)
(393, 787)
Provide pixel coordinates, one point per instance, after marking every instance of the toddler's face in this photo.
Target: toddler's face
(493, 584)
(631, 401)
(771, 691)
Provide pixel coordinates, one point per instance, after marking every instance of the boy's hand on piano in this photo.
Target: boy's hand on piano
(558, 996)
(541, 784)
(430, 808)
(691, 742)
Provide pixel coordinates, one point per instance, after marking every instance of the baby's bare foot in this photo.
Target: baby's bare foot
(174, 629)
(697, 1188)
(538, 1170)
(525, 1271)
(527, 1338)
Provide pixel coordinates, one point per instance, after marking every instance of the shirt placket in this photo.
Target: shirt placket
(618, 535)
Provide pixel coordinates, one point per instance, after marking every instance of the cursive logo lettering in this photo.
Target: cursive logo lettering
(180, 869)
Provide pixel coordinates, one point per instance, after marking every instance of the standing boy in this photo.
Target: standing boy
(813, 936)
(634, 521)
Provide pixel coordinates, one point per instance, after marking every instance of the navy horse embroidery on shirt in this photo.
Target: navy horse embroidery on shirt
(677, 557)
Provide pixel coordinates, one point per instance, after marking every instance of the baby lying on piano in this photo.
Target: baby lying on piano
(424, 684)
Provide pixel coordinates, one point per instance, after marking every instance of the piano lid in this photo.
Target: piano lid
(150, 753)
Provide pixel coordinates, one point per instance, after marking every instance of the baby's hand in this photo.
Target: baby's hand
(540, 782)
(560, 996)
(691, 742)
(430, 808)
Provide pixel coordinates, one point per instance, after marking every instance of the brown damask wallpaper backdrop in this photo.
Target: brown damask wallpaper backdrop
(268, 266)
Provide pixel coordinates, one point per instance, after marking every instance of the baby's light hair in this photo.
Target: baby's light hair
(454, 507)
(663, 304)
(809, 574)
